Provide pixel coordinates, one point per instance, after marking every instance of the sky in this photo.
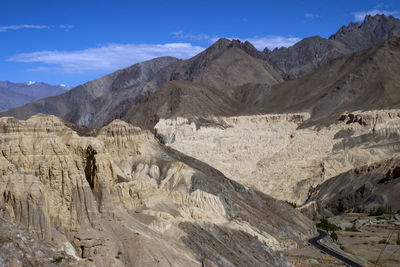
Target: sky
(72, 42)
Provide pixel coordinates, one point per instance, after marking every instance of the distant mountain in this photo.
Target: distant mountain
(311, 53)
(17, 94)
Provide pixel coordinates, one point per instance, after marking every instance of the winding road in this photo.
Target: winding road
(315, 242)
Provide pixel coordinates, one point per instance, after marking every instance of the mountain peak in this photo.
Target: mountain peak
(380, 23)
(222, 42)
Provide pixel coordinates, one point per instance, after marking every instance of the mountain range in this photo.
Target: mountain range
(13, 95)
(232, 72)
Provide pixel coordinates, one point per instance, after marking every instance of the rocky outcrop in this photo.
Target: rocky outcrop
(120, 198)
(363, 188)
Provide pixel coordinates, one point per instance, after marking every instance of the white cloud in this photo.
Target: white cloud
(62, 26)
(24, 26)
(311, 16)
(188, 36)
(109, 57)
(360, 15)
(270, 41)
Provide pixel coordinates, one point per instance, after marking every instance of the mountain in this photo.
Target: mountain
(183, 99)
(119, 198)
(223, 65)
(311, 53)
(364, 80)
(17, 94)
(226, 64)
(80, 103)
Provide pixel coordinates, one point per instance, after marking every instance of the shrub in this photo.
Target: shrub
(57, 260)
(327, 226)
(293, 204)
(352, 229)
(383, 241)
(359, 210)
(379, 212)
(334, 236)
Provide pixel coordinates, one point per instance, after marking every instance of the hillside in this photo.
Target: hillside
(365, 80)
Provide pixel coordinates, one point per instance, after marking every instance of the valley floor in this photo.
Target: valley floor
(372, 241)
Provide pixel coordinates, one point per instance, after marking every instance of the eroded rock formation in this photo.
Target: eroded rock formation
(273, 155)
(120, 198)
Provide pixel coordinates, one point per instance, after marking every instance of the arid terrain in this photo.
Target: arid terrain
(368, 240)
(229, 158)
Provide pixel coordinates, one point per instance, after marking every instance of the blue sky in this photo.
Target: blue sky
(71, 42)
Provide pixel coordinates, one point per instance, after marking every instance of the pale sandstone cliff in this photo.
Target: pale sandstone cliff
(272, 154)
(119, 198)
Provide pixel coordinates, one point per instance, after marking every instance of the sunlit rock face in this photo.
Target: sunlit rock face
(117, 197)
(272, 154)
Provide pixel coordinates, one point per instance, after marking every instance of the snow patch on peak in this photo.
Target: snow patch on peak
(30, 82)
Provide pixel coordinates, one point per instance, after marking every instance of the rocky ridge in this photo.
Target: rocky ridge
(311, 53)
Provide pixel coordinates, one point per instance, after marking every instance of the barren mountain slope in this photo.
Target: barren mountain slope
(365, 80)
(212, 74)
(185, 99)
(119, 198)
(228, 63)
(311, 53)
(10, 99)
(367, 187)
